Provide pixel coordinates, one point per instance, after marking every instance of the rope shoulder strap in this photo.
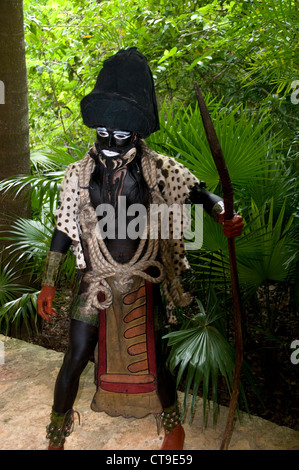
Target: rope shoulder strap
(158, 172)
(103, 264)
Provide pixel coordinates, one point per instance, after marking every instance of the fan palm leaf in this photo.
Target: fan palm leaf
(245, 139)
(8, 285)
(17, 302)
(30, 242)
(202, 353)
(42, 189)
(29, 238)
(43, 185)
(20, 310)
(264, 252)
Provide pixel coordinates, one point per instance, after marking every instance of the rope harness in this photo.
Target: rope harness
(103, 264)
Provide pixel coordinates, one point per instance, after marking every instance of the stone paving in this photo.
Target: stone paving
(27, 378)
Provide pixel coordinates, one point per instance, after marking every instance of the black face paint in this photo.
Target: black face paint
(114, 143)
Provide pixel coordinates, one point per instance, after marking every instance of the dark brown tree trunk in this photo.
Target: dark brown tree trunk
(14, 126)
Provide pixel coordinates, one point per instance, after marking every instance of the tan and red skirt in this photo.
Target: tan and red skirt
(125, 359)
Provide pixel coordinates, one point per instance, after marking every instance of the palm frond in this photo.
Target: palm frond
(29, 238)
(201, 352)
(42, 189)
(9, 286)
(30, 241)
(244, 137)
(264, 252)
(43, 185)
(20, 310)
(55, 158)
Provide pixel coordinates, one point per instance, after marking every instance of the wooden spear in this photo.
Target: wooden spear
(227, 190)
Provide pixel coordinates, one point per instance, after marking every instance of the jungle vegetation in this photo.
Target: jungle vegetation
(244, 56)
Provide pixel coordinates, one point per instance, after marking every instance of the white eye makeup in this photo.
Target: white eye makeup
(102, 132)
(121, 134)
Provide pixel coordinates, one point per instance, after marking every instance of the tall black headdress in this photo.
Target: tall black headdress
(124, 95)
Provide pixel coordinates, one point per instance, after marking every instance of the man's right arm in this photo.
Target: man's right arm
(60, 244)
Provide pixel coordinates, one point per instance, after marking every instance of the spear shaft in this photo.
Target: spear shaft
(227, 190)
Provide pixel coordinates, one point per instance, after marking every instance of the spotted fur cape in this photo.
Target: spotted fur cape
(174, 181)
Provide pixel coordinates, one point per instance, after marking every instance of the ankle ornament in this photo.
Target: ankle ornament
(171, 417)
(60, 427)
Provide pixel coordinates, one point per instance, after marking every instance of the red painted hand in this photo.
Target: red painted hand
(233, 227)
(44, 302)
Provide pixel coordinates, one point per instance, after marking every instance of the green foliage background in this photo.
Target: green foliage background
(244, 56)
(240, 52)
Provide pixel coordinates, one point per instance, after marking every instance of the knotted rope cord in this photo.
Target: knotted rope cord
(103, 264)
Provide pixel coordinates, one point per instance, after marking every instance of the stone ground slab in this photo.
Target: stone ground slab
(27, 378)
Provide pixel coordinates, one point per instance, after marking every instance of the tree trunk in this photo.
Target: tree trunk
(14, 125)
